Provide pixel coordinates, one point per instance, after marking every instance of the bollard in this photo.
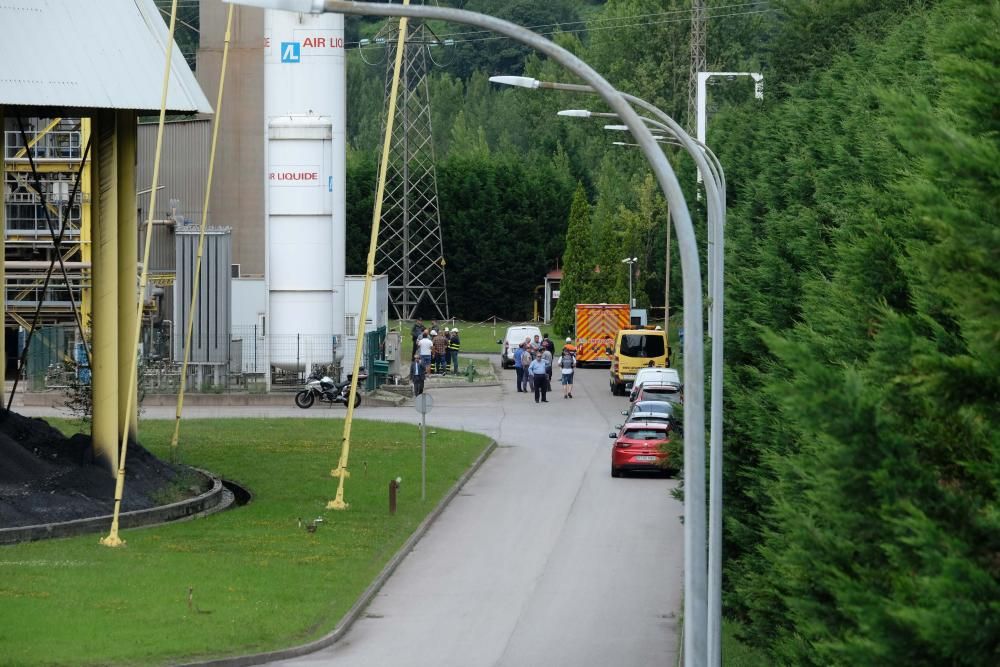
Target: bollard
(470, 373)
(393, 485)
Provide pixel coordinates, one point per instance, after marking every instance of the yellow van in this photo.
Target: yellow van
(635, 349)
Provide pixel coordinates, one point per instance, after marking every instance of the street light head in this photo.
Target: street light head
(303, 6)
(575, 113)
(616, 128)
(517, 81)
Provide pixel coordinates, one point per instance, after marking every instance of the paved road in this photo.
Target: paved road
(542, 559)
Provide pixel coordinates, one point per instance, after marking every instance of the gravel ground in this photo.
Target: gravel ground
(46, 477)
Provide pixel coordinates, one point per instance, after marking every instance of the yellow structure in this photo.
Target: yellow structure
(341, 472)
(87, 78)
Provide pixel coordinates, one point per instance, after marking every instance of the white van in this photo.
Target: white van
(515, 336)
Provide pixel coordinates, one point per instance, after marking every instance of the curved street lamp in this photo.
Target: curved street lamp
(695, 570)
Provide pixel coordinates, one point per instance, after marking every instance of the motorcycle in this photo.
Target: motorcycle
(322, 388)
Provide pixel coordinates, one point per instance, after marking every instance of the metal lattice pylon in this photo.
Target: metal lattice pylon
(410, 250)
(698, 29)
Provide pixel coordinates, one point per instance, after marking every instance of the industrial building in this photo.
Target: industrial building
(235, 340)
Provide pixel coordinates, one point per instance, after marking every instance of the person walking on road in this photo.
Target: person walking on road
(547, 358)
(527, 356)
(417, 375)
(519, 368)
(567, 362)
(539, 378)
(454, 345)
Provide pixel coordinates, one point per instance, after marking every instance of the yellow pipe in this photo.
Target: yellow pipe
(128, 239)
(104, 429)
(86, 202)
(201, 240)
(341, 470)
(113, 540)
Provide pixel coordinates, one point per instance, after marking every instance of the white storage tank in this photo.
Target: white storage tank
(305, 110)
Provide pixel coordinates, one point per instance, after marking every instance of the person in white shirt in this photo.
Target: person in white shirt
(425, 346)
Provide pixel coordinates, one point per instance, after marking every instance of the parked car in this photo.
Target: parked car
(672, 393)
(657, 411)
(661, 410)
(639, 446)
(656, 374)
(515, 336)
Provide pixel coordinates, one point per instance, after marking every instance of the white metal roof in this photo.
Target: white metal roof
(105, 54)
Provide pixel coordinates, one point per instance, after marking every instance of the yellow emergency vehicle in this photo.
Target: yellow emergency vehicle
(634, 349)
(596, 327)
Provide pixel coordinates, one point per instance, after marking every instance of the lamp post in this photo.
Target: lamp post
(695, 584)
(630, 261)
(703, 77)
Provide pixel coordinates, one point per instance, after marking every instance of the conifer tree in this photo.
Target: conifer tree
(577, 264)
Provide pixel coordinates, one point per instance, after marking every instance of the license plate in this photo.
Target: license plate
(643, 459)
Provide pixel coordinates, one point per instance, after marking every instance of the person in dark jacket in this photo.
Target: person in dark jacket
(415, 333)
(417, 375)
(454, 345)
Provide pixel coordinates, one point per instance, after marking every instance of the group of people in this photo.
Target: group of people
(434, 351)
(534, 359)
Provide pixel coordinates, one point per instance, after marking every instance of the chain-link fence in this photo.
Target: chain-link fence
(56, 360)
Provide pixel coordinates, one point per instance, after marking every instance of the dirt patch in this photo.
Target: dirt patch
(46, 477)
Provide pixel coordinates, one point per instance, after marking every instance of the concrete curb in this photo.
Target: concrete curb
(54, 399)
(135, 519)
(366, 597)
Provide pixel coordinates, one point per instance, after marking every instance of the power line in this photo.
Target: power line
(682, 19)
(591, 22)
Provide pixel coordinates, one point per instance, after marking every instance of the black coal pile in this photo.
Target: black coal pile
(46, 477)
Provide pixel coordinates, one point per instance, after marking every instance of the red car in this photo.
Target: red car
(639, 446)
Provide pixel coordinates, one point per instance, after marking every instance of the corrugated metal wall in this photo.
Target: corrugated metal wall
(183, 167)
(210, 337)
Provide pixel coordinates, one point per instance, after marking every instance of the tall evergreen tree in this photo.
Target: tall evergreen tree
(577, 264)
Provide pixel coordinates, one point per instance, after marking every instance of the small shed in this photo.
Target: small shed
(552, 281)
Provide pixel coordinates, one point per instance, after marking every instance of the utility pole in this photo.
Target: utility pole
(699, 28)
(410, 250)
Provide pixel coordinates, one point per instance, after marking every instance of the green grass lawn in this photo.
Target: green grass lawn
(259, 581)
